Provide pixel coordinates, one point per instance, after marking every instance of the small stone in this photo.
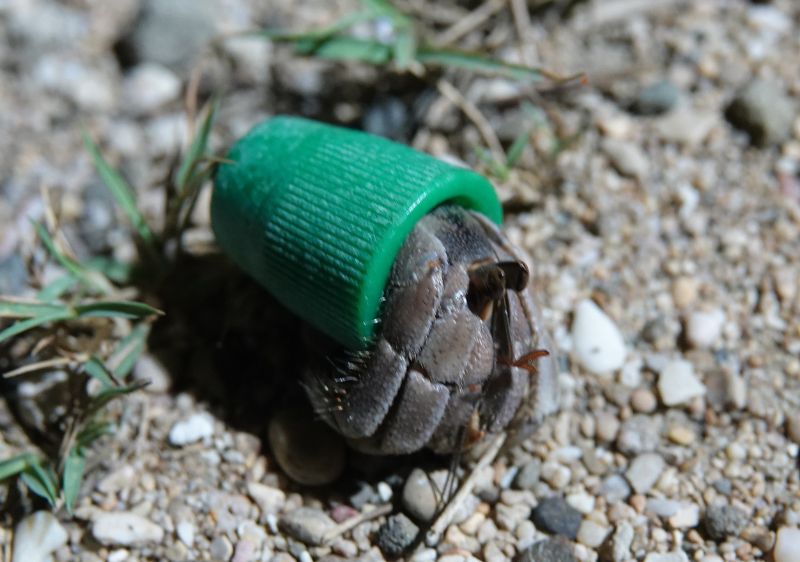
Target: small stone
(607, 426)
(703, 328)
(194, 429)
(675, 556)
(555, 474)
(687, 517)
(583, 502)
(681, 435)
(37, 537)
(787, 545)
(684, 291)
(554, 515)
(553, 549)
(592, 534)
(528, 476)
(185, 531)
(396, 534)
(150, 369)
(307, 524)
(644, 471)
(793, 427)
(639, 434)
(615, 488)
(621, 542)
(221, 549)
(420, 497)
(124, 528)
(148, 87)
(626, 157)
(597, 342)
(723, 486)
(657, 98)
(267, 498)
(686, 126)
(764, 111)
(678, 384)
(305, 447)
(643, 401)
(723, 521)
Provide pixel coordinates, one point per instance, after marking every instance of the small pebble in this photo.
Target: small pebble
(191, 430)
(681, 435)
(592, 534)
(420, 498)
(621, 542)
(126, 529)
(686, 126)
(684, 291)
(723, 521)
(793, 427)
(607, 426)
(553, 549)
(644, 471)
(396, 534)
(148, 87)
(643, 401)
(597, 342)
(615, 488)
(185, 531)
(626, 157)
(703, 328)
(656, 98)
(675, 556)
(677, 383)
(554, 515)
(787, 545)
(221, 549)
(528, 476)
(639, 434)
(583, 502)
(267, 498)
(37, 537)
(307, 524)
(687, 517)
(764, 111)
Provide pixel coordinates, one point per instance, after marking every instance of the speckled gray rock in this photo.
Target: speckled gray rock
(656, 98)
(307, 524)
(419, 496)
(554, 549)
(722, 521)
(764, 111)
(555, 515)
(171, 33)
(396, 534)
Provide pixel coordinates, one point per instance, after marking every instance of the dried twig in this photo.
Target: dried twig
(355, 521)
(464, 25)
(474, 114)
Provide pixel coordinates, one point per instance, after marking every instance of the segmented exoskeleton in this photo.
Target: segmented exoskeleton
(460, 350)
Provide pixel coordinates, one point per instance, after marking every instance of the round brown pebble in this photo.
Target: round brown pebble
(643, 401)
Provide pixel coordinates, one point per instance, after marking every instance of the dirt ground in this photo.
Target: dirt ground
(659, 199)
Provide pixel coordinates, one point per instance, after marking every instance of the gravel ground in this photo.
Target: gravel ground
(660, 204)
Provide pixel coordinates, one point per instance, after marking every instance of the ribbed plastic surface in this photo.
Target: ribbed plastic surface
(317, 214)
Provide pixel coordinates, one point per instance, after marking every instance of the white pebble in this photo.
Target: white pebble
(687, 517)
(644, 471)
(126, 529)
(192, 430)
(582, 501)
(787, 545)
(185, 531)
(676, 556)
(37, 536)
(597, 342)
(592, 534)
(148, 87)
(384, 492)
(558, 476)
(703, 328)
(267, 498)
(677, 383)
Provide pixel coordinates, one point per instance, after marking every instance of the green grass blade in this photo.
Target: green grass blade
(103, 397)
(24, 325)
(56, 288)
(197, 149)
(115, 309)
(92, 433)
(517, 147)
(476, 62)
(74, 466)
(41, 482)
(16, 465)
(127, 351)
(112, 269)
(346, 48)
(97, 370)
(120, 189)
(13, 308)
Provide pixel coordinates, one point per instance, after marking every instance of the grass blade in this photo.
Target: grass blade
(56, 288)
(88, 278)
(120, 189)
(346, 48)
(15, 308)
(92, 433)
(97, 370)
(16, 464)
(116, 309)
(74, 466)
(105, 396)
(41, 481)
(24, 325)
(197, 150)
(517, 148)
(127, 351)
(476, 62)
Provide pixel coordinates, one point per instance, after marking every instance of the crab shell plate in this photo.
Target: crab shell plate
(441, 371)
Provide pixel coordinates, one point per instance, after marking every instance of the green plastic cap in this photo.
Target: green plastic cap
(317, 214)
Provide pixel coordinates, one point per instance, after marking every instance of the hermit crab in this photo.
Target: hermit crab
(397, 259)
